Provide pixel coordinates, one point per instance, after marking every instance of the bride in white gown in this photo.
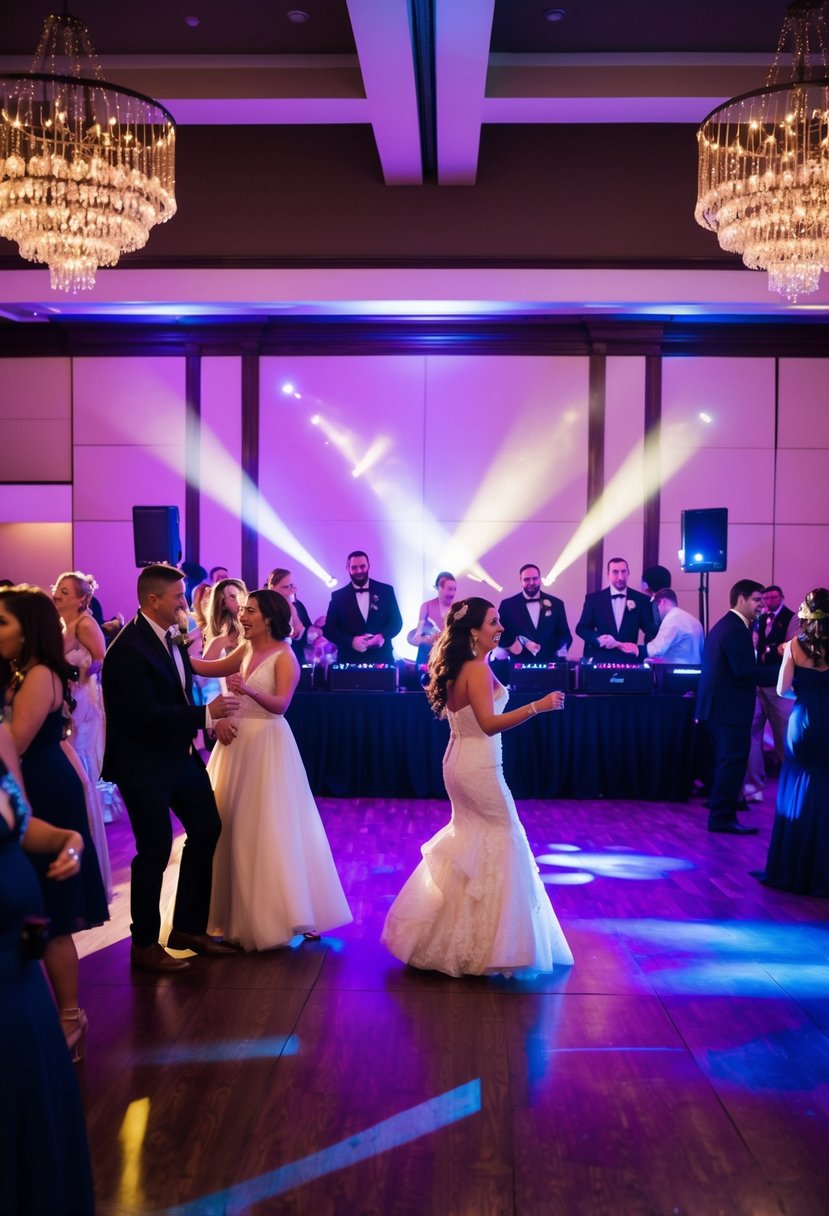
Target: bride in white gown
(273, 873)
(475, 905)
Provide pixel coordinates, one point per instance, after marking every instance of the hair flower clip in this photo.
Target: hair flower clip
(462, 611)
(805, 613)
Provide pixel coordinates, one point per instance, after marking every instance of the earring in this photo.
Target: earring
(474, 647)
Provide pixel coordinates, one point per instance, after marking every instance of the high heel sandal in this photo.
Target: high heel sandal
(75, 1023)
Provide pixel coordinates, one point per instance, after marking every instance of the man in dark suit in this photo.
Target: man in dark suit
(151, 723)
(614, 616)
(535, 624)
(775, 626)
(362, 617)
(725, 700)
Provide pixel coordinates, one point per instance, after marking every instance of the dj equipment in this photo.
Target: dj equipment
(311, 676)
(676, 677)
(615, 677)
(363, 677)
(540, 677)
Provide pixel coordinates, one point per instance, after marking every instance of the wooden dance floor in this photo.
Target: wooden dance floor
(680, 1067)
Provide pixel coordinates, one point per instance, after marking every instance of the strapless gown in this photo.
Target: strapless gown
(273, 873)
(798, 857)
(44, 1158)
(476, 905)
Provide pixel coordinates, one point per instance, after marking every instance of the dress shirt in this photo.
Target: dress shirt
(363, 600)
(679, 640)
(534, 609)
(618, 603)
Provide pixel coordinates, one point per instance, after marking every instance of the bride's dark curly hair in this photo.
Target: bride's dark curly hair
(814, 621)
(453, 648)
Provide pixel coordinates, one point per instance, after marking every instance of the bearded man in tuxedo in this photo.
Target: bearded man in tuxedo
(534, 623)
(614, 616)
(363, 617)
(151, 724)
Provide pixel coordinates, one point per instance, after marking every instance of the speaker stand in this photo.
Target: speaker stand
(703, 599)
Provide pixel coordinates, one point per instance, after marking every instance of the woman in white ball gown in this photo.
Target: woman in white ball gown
(273, 873)
(476, 905)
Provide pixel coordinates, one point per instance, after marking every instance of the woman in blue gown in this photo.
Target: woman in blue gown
(798, 858)
(36, 675)
(44, 1158)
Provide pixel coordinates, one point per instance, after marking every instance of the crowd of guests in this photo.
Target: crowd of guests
(101, 719)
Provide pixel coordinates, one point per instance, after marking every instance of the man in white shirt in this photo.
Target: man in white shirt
(680, 638)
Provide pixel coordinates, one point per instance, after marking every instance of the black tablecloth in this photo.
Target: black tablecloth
(383, 745)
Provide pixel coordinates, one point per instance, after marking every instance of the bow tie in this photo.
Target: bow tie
(533, 598)
(618, 595)
(361, 590)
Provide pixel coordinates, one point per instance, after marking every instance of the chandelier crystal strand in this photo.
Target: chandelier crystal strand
(86, 168)
(763, 183)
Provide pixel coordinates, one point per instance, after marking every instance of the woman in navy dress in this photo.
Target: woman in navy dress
(44, 1158)
(798, 858)
(36, 676)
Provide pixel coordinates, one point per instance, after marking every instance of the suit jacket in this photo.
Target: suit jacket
(770, 634)
(552, 631)
(344, 621)
(150, 724)
(730, 674)
(597, 618)
(298, 645)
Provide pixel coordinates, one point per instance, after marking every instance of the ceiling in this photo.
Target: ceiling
(429, 79)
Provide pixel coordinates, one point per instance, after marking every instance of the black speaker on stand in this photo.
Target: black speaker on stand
(704, 548)
(156, 536)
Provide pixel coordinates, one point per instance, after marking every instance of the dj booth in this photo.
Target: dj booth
(602, 745)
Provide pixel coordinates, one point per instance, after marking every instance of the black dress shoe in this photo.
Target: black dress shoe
(735, 829)
(155, 958)
(199, 943)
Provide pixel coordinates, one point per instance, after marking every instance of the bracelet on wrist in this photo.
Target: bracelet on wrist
(532, 709)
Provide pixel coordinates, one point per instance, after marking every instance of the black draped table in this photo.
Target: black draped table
(387, 744)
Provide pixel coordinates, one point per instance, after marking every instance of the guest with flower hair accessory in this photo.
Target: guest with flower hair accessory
(798, 856)
(535, 623)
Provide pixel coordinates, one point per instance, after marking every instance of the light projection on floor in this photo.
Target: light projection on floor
(411, 1124)
(574, 867)
(725, 958)
(265, 1048)
(131, 1139)
(630, 487)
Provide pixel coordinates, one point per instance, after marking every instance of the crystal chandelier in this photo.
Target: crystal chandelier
(86, 168)
(764, 164)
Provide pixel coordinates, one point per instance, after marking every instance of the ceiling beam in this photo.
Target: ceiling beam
(463, 31)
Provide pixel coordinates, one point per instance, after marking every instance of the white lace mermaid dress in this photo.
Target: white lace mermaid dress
(475, 905)
(273, 873)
